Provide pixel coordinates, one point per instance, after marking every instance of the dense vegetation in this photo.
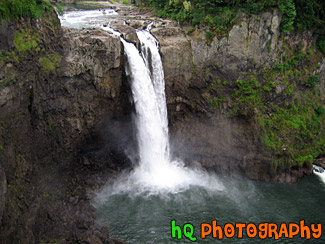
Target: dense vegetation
(291, 123)
(220, 15)
(14, 9)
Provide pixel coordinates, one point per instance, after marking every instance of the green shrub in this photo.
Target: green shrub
(220, 15)
(312, 81)
(321, 43)
(14, 9)
(287, 7)
(208, 34)
(310, 13)
(59, 9)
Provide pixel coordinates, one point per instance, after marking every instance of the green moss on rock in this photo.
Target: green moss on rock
(291, 123)
(49, 63)
(25, 41)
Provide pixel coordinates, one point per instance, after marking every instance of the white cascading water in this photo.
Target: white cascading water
(88, 18)
(155, 172)
(150, 51)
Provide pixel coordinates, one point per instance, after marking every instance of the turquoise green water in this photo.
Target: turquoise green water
(146, 219)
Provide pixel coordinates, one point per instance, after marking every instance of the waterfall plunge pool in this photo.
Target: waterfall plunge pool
(136, 213)
(139, 207)
(146, 219)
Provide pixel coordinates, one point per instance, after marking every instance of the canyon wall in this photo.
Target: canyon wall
(66, 115)
(219, 141)
(60, 98)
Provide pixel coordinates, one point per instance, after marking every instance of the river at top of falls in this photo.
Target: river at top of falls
(87, 18)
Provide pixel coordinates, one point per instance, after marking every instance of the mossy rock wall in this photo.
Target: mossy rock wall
(250, 103)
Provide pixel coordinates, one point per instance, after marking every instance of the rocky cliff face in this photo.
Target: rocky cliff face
(191, 62)
(66, 115)
(216, 140)
(58, 135)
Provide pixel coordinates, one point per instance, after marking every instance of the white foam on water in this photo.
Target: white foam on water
(320, 175)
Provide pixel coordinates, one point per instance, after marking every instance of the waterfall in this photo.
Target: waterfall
(150, 51)
(148, 90)
(156, 172)
(151, 112)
